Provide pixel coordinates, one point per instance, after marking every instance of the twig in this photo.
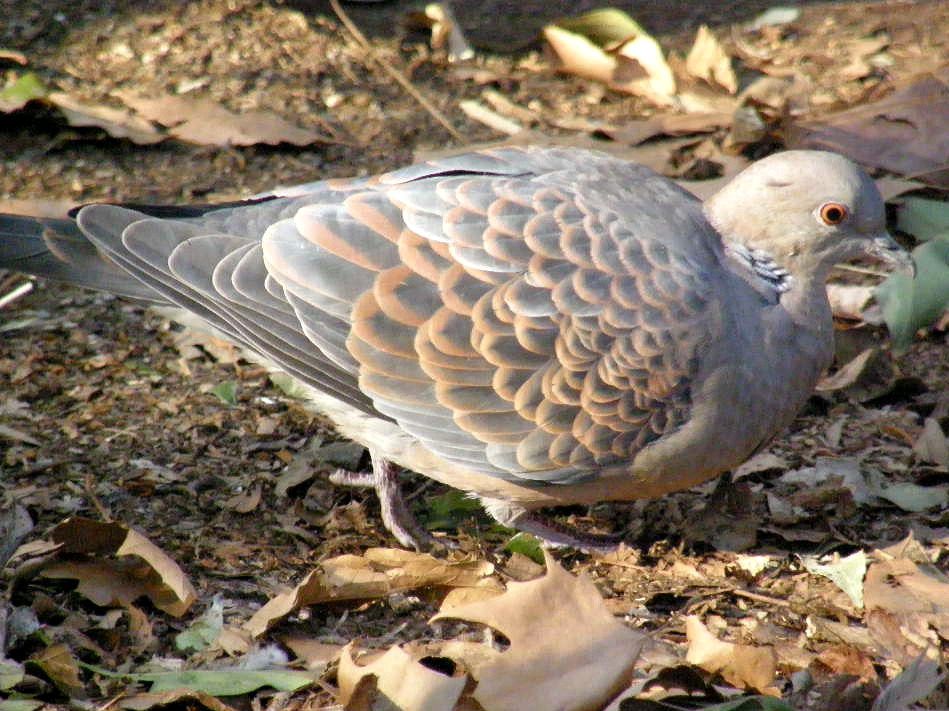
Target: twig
(11, 296)
(768, 600)
(88, 485)
(861, 270)
(482, 114)
(394, 73)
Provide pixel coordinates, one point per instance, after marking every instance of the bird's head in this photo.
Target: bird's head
(808, 210)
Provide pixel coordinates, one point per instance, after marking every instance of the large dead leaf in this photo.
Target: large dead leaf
(567, 650)
(143, 569)
(377, 573)
(904, 133)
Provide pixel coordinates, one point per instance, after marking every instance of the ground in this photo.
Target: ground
(114, 417)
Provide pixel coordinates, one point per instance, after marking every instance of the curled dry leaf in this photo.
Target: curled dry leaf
(932, 445)
(399, 677)
(741, 665)
(377, 573)
(609, 47)
(708, 61)
(143, 569)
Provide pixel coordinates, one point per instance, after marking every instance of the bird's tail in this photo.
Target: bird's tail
(55, 248)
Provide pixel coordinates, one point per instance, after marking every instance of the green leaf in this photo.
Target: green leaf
(226, 392)
(526, 544)
(604, 27)
(226, 682)
(922, 218)
(290, 386)
(205, 630)
(911, 303)
(11, 674)
(446, 511)
(20, 705)
(846, 573)
(23, 90)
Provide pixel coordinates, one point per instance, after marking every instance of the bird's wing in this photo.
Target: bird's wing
(530, 314)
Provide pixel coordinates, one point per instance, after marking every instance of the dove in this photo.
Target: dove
(536, 326)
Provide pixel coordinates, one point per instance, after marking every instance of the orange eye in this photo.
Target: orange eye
(833, 213)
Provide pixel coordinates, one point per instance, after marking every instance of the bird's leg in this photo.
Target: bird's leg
(552, 533)
(396, 516)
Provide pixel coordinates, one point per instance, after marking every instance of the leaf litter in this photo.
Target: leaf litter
(870, 457)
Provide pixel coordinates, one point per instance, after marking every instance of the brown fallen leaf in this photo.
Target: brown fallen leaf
(377, 573)
(176, 698)
(708, 61)
(609, 47)
(400, 679)
(849, 300)
(143, 569)
(567, 651)
(845, 659)
(118, 123)
(244, 502)
(315, 654)
(207, 123)
(742, 666)
(904, 133)
(932, 444)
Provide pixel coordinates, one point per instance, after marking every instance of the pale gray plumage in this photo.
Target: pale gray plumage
(537, 326)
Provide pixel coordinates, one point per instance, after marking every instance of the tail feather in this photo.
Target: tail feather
(55, 248)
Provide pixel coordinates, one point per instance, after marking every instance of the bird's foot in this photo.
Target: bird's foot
(553, 533)
(396, 516)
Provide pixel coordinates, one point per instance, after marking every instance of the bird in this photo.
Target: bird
(535, 326)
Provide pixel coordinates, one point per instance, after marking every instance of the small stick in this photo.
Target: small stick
(482, 114)
(23, 289)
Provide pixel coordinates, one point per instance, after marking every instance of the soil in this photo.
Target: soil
(118, 420)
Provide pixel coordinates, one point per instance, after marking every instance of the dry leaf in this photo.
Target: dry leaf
(932, 445)
(398, 677)
(118, 123)
(58, 663)
(204, 122)
(740, 665)
(567, 651)
(635, 66)
(849, 300)
(177, 698)
(377, 573)
(707, 60)
(143, 568)
(904, 133)
(244, 502)
(316, 654)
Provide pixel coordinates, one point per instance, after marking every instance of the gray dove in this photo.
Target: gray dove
(535, 326)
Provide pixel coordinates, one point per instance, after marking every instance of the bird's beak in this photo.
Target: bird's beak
(884, 247)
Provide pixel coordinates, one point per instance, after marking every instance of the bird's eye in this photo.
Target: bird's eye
(833, 213)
